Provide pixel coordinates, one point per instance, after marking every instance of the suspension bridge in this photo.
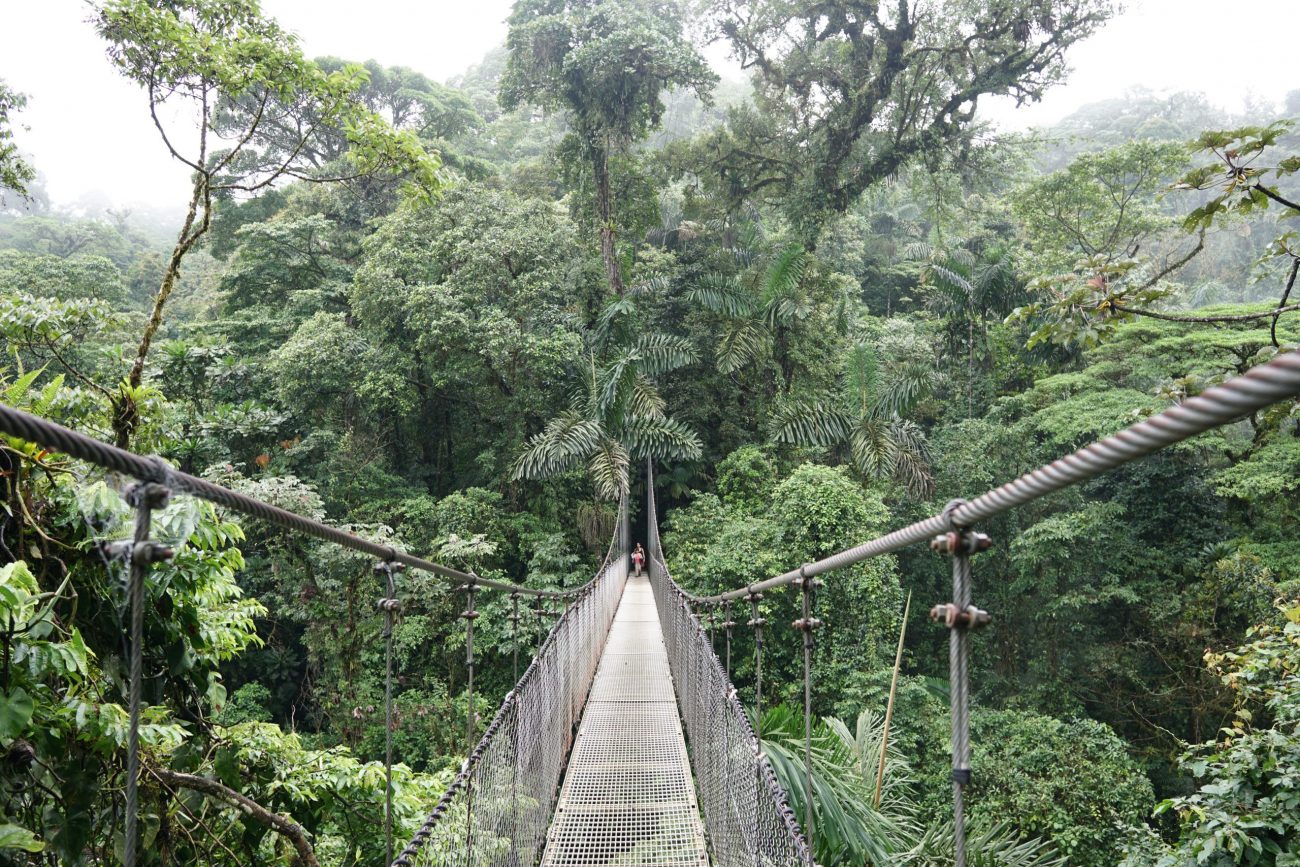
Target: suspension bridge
(624, 742)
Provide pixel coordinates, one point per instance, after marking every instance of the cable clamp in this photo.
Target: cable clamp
(961, 776)
(960, 542)
(953, 617)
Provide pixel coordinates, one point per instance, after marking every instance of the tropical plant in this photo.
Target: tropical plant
(867, 416)
(759, 306)
(615, 416)
(848, 830)
(966, 289)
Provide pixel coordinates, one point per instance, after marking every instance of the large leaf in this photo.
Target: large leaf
(16, 710)
(664, 438)
(18, 837)
(568, 439)
(810, 423)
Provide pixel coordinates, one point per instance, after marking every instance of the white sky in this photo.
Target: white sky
(91, 136)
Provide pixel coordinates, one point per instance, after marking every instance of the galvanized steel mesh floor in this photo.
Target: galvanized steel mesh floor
(628, 798)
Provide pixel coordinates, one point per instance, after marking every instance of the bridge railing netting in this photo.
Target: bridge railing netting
(747, 817)
(498, 809)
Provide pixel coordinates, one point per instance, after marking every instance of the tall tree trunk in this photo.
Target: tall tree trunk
(605, 215)
(126, 416)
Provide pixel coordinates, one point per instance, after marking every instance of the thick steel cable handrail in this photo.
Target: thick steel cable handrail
(1238, 397)
(58, 438)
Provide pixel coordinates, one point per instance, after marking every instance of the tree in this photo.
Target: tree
(606, 63)
(849, 92)
(1246, 808)
(1101, 209)
(15, 172)
(868, 413)
(615, 417)
(239, 80)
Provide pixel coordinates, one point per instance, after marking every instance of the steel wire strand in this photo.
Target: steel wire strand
(50, 435)
(1266, 384)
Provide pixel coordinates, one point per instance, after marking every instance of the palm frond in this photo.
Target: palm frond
(785, 273)
(608, 467)
(721, 294)
(911, 456)
(659, 353)
(782, 310)
(645, 400)
(664, 438)
(949, 280)
(616, 382)
(615, 318)
(563, 444)
(653, 284)
(999, 846)
(809, 423)
(904, 385)
(861, 374)
(849, 830)
(741, 342)
(872, 449)
(917, 251)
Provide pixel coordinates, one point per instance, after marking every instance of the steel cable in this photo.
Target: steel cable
(1266, 384)
(55, 437)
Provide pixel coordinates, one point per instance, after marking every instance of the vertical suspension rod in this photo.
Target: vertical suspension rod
(141, 554)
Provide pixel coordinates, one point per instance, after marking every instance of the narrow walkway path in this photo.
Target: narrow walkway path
(628, 797)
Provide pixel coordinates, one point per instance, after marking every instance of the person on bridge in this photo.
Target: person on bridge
(638, 558)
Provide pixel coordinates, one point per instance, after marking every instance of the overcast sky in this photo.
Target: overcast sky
(90, 132)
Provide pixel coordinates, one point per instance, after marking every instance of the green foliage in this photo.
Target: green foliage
(846, 97)
(1244, 809)
(15, 172)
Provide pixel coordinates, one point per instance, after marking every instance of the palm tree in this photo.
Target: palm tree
(617, 414)
(867, 416)
(760, 307)
(967, 289)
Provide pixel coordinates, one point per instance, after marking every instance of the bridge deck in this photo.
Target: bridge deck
(628, 796)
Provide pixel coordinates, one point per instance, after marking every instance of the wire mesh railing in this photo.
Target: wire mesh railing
(497, 810)
(705, 693)
(747, 816)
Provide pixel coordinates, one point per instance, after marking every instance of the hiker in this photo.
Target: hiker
(638, 558)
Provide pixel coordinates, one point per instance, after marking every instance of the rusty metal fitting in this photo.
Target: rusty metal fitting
(390, 605)
(960, 542)
(471, 614)
(390, 565)
(140, 553)
(951, 616)
(150, 494)
(807, 624)
(727, 624)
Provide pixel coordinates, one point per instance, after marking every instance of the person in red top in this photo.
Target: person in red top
(638, 558)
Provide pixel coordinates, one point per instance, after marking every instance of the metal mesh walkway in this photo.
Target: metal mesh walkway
(628, 798)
